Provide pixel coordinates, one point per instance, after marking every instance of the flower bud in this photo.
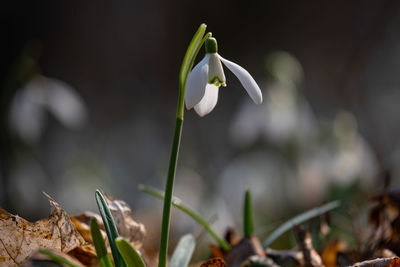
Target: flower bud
(211, 45)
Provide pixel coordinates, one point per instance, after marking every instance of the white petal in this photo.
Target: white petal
(27, 114)
(65, 104)
(196, 83)
(215, 71)
(208, 102)
(245, 79)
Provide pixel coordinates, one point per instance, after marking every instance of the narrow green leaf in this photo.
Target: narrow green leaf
(129, 253)
(101, 250)
(180, 205)
(109, 225)
(247, 216)
(298, 220)
(57, 258)
(183, 252)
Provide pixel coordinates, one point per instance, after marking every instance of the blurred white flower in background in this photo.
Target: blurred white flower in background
(280, 119)
(313, 154)
(41, 95)
(28, 116)
(285, 115)
(354, 157)
(258, 171)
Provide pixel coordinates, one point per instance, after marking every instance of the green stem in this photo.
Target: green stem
(162, 261)
(187, 64)
(186, 67)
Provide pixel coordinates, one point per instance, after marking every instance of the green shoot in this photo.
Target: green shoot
(247, 217)
(101, 251)
(109, 225)
(129, 253)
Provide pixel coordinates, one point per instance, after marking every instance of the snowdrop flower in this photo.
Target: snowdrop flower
(206, 77)
(40, 95)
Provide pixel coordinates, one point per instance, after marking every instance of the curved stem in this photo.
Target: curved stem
(184, 73)
(187, 64)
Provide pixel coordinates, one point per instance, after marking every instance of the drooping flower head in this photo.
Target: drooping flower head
(208, 75)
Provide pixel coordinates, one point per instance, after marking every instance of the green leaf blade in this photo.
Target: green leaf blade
(129, 253)
(305, 216)
(176, 202)
(109, 225)
(57, 258)
(183, 251)
(101, 250)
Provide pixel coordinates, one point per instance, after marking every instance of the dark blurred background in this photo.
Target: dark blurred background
(89, 93)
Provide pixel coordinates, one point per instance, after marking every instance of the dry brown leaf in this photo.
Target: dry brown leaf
(286, 257)
(311, 257)
(214, 262)
(127, 227)
(83, 229)
(216, 251)
(86, 216)
(383, 253)
(19, 239)
(257, 261)
(247, 247)
(381, 262)
(384, 217)
(330, 252)
(232, 236)
(82, 224)
(86, 254)
(395, 262)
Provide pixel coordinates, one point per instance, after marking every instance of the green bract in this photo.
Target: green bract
(211, 45)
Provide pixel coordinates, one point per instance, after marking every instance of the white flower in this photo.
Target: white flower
(206, 77)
